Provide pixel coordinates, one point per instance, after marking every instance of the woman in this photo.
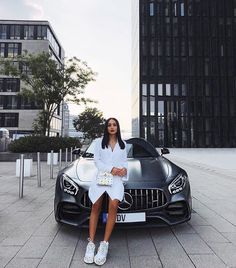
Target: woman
(110, 155)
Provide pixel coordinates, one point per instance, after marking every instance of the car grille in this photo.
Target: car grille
(142, 199)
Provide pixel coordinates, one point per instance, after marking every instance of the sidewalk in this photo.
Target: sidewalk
(30, 237)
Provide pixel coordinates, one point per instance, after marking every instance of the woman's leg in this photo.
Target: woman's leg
(113, 205)
(96, 209)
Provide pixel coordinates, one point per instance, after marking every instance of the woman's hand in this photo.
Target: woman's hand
(119, 172)
(122, 172)
(115, 171)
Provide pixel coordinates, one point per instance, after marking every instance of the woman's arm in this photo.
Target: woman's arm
(124, 164)
(97, 157)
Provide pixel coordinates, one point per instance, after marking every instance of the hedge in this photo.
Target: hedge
(31, 144)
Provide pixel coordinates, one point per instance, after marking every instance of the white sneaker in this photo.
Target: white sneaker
(89, 254)
(101, 256)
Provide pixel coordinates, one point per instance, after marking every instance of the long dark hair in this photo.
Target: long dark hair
(105, 140)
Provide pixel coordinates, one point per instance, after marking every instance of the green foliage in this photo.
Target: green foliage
(39, 124)
(49, 82)
(30, 144)
(91, 122)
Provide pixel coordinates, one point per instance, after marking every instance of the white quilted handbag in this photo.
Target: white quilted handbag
(104, 178)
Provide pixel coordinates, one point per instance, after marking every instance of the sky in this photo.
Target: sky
(95, 31)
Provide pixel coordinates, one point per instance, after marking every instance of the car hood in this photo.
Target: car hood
(139, 170)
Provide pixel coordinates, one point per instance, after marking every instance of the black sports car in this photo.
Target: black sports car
(157, 193)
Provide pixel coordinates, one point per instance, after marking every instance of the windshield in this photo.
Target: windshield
(134, 148)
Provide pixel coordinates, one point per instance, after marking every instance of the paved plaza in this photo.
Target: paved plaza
(30, 237)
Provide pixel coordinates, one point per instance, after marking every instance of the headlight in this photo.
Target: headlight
(69, 186)
(177, 184)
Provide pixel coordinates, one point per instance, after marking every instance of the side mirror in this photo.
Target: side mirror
(164, 151)
(77, 151)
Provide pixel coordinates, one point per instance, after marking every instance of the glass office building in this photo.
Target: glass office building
(184, 72)
(17, 114)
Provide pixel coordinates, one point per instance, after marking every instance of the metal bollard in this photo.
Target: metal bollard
(66, 156)
(21, 181)
(51, 165)
(71, 155)
(38, 169)
(60, 152)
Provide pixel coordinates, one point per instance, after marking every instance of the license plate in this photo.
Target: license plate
(127, 217)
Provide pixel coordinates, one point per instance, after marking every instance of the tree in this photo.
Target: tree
(49, 82)
(91, 122)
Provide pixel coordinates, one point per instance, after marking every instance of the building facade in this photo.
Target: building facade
(16, 36)
(72, 131)
(184, 74)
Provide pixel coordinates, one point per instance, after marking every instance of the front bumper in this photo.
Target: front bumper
(75, 210)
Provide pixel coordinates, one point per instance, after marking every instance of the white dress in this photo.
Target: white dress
(105, 160)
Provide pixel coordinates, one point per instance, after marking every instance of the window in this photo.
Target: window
(24, 68)
(176, 90)
(2, 49)
(152, 66)
(184, 90)
(183, 108)
(1, 84)
(160, 66)
(160, 108)
(152, 105)
(161, 138)
(144, 48)
(181, 9)
(182, 48)
(11, 102)
(14, 31)
(167, 24)
(175, 47)
(160, 90)
(152, 27)
(152, 89)
(160, 122)
(168, 47)
(29, 32)
(176, 66)
(167, 8)
(9, 119)
(13, 50)
(174, 8)
(26, 103)
(152, 48)
(12, 85)
(1, 102)
(184, 139)
(152, 128)
(41, 32)
(3, 31)
(151, 9)
(168, 91)
(190, 9)
(144, 105)
(144, 66)
(144, 89)
(53, 42)
(175, 26)
(8, 102)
